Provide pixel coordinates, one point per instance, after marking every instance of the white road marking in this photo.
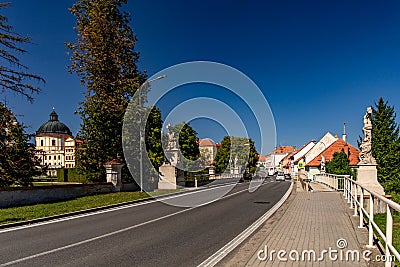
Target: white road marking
(234, 243)
(109, 234)
(73, 217)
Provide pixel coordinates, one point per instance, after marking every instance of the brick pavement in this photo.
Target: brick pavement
(311, 221)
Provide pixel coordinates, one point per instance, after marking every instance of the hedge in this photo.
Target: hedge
(70, 175)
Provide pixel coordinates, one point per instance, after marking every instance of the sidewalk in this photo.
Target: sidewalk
(310, 221)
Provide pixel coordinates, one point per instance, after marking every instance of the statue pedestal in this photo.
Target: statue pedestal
(170, 177)
(113, 174)
(367, 176)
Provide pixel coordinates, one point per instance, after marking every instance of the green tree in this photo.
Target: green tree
(340, 165)
(13, 74)
(105, 59)
(188, 141)
(232, 148)
(253, 157)
(17, 155)
(386, 145)
(223, 155)
(153, 138)
(18, 162)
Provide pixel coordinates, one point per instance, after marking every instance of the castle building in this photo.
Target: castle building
(55, 145)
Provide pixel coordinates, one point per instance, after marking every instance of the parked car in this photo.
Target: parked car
(271, 172)
(288, 176)
(280, 176)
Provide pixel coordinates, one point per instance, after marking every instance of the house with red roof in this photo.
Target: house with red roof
(208, 150)
(274, 160)
(314, 166)
(289, 162)
(324, 152)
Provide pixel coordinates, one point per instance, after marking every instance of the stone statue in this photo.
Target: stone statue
(366, 144)
(171, 138)
(323, 169)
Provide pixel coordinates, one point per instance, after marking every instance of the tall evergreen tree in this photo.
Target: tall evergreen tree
(18, 162)
(386, 145)
(105, 59)
(13, 74)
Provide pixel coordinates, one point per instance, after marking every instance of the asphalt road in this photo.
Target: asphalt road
(145, 234)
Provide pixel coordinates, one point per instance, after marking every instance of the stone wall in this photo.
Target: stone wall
(28, 196)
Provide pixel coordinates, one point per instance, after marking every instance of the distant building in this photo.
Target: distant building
(208, 150)
(314, 167)
(327, 140)
(263, 161)
(55, 145)
(274, 160)
(279, 154)
(291, 160)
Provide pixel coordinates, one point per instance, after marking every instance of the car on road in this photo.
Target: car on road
(288, 176)
(280, 176)
(271, 172)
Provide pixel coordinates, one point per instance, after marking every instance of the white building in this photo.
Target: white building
(208, 150)
(55, 145)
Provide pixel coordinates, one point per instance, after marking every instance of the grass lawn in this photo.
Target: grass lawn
(380, 220)
(16, 214)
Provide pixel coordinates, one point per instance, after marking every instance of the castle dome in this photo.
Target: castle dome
(54, 126)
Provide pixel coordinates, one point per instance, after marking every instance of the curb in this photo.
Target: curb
(234, 243)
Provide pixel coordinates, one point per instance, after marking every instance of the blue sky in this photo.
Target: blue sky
(318, 63)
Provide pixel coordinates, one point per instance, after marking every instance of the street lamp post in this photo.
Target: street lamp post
(146, 83)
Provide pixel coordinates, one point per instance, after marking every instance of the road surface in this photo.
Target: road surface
(145, 234)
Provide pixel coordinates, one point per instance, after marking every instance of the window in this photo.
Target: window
(41, 142)
(53, 142)
(59, 157)
(49, 157)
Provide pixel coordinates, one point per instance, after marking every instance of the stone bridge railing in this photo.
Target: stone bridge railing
(364, 202)
(335, 182)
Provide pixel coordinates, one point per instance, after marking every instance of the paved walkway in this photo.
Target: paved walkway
(310, 221)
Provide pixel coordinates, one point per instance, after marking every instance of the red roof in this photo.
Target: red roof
(262, 158)
(113, 162)
(284, 149)
(338, 146)
(206, 142)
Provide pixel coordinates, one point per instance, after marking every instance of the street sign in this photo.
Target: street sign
(301, 165)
